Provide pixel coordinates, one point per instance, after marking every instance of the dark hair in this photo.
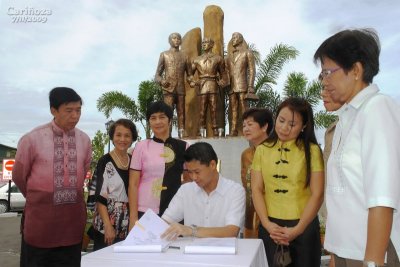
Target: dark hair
(63, 95)
(306, 136)
(262, 116)
(202, 152)
(127, 124)
(351, 46)
(159, 106)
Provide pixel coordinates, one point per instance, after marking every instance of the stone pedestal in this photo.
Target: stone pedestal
(229, 151)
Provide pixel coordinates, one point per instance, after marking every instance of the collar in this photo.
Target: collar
(287, 143)
(158, 140)
(363, 95)
(341, 110)
(220, 189)
(58, 130)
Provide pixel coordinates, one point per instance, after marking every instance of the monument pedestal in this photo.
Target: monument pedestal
(229, 151)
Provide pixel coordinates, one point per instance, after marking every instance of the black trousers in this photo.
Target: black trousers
(68, 256)
(305, 250)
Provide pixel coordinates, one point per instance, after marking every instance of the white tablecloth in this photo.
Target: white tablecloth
(250, 253)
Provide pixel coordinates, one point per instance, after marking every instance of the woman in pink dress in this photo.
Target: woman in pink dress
(157, 164)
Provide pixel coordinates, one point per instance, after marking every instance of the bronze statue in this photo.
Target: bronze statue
(170, 74)
(210, 68)
(241, 67)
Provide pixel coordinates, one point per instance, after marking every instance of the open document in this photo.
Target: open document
(212, 246)
(145, 235)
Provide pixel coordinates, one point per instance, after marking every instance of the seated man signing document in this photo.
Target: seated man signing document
(211, 205)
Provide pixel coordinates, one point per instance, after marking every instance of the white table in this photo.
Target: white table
(250, 253)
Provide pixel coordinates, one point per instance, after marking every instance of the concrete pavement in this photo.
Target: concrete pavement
(10, 239)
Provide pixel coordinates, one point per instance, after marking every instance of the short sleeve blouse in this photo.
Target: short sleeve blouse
(283, 168)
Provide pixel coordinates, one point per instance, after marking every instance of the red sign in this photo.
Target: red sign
(9, 165)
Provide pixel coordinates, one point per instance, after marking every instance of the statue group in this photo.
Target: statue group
(207, 74)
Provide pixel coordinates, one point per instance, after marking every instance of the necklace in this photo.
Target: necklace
(119, 161)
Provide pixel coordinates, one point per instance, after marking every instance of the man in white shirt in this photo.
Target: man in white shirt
(211, 205)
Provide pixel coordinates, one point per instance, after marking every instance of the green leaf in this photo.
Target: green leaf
(297, 85)
(99, 141)
(323, 119)
(269, 70)
(117, 100)
(149, 91)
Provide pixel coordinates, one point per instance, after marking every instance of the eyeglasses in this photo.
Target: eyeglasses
(326, 72)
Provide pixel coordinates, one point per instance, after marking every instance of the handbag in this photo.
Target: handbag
(281, 257)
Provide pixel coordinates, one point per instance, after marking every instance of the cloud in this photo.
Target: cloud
(98, 46)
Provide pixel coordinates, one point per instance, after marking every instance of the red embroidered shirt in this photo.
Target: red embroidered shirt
(50, 168)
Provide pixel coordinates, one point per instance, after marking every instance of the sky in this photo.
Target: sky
(95, 46)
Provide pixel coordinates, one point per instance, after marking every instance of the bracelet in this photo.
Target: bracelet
(194, 230)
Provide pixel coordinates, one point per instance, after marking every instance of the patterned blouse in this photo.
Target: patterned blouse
(112, 192)
(161, 166)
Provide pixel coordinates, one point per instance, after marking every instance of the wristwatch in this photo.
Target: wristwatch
(194, 230)
(371, 264)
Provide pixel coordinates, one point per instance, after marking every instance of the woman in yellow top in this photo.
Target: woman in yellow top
(289, 168)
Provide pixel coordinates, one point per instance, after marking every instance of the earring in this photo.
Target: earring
(356, 78)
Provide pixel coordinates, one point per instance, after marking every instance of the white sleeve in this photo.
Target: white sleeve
(380, 155)
(235, 212)
(175, 210)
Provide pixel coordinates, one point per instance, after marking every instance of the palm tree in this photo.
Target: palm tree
(149, 91)
(256, 54)
(99, 141)
(271, 67)
(117, 100)
(269, 99)
(297, 85)
(268, 72)
(324, 119)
